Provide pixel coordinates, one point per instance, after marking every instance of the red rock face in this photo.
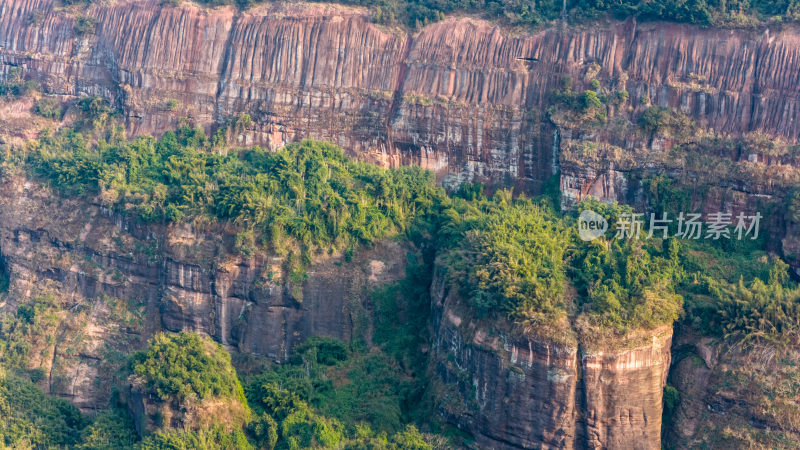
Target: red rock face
(514, 390)
(452, 97)
(174, 278)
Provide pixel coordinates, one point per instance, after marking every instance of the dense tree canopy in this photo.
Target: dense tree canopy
(307, 195)
(305, 402)
(183, 365)
(31, 419)
(518, 257)
(510, 256)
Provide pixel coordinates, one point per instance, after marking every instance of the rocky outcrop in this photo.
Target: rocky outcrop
(151, 414)
(732, 395)
(513, 389)
(453, 97)
(117, 282)
(623, 393)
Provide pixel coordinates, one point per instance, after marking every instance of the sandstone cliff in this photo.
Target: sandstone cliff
(116, 283)
(514, 389)
(733, 396)
(453, 97)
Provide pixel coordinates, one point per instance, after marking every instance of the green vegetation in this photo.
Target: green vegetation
(732, 288)
(671, 400)
(214, 438)
(84, 25)
(171, 104)
(517, 257)
(666, 197)
(32, 419)
(402, 313)
(327, 396)
(305, 198)
(510, 257)
(352, 395)
(27, 331)
(49, 108)
(15, 85)
(110, 429)
(626, 283)
(626, 286)
(591, 104)
(762, 308)
(793, 206)
(762, 311)
(658, 119)
(417, 13)
(5, 279)
(183, 365)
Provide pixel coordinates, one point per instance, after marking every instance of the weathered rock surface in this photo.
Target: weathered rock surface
(733, 396)
(150, 414)
(513, 390)
(453, 97)
(117, 283)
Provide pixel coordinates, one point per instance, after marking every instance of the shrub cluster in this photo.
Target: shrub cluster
(517, 257)
(310, 400)
(307, 195)
(183, 365)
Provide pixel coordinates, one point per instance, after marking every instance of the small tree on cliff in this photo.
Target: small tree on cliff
(182, 365)
(193, 380)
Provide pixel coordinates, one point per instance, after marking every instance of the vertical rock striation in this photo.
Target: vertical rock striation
(514, 390)
(116, 283)
(453, 97)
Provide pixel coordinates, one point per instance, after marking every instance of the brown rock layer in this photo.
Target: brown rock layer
(733, 395)
(173, 278)
(512, 390)
(452, 97)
